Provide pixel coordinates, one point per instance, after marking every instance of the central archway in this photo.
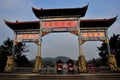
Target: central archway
(60, 44)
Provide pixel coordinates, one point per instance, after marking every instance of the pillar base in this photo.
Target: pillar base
(82, 63)
(38, 64)
(10, 64)
(112, 63)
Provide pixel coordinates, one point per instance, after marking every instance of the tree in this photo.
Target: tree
(114, 47)
(6, 50)
(3, 59)
(103, 53)
(95, 62)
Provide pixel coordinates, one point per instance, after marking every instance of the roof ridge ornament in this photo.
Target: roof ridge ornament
(16, 21)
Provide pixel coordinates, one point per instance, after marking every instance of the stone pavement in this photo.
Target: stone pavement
(81, 76)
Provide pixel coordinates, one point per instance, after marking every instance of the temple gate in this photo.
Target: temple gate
(61, 20)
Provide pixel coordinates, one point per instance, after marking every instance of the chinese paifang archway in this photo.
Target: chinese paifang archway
(61, 20)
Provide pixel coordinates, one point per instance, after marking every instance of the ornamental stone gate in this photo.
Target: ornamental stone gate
(61, 20)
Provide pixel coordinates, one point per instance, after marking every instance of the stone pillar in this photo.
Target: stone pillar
(10, 64)
(38, 62)
(10, 60)
(111, 58)
(81, 58)
(112, 62)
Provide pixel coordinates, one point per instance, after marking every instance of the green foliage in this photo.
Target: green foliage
(3, 59)
(115, 44)
(117, 56)
(95, 62)
(22, 61)
(103, 54)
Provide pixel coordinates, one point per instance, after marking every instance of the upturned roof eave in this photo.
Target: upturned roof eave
(61, 12)
(84, 23)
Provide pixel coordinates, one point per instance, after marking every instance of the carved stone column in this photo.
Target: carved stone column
(10, 64)
(38, 61)
(111, 58)
(81, 59)
(112, 63)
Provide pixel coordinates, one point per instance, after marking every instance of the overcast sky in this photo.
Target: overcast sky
(59, 44)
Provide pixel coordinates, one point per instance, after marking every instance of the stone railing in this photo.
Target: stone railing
(22, 69)
(54, 70)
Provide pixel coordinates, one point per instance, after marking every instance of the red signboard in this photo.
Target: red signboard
(59, 24)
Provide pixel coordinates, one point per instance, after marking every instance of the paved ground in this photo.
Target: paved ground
(82, 76)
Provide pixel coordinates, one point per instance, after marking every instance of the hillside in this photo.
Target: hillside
(53, 60)
(63, 58)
